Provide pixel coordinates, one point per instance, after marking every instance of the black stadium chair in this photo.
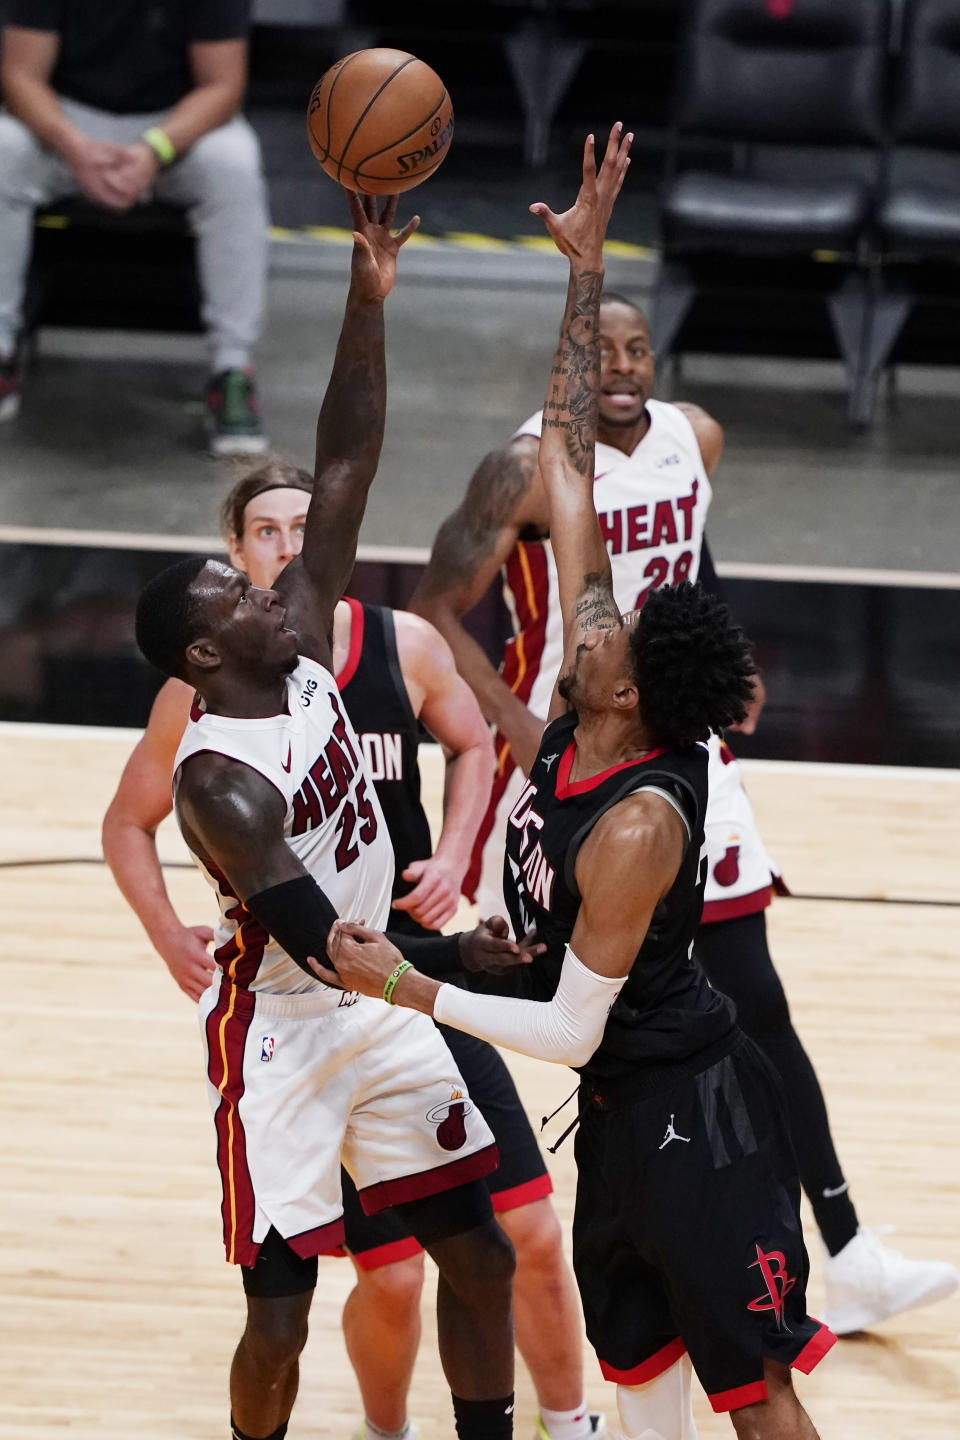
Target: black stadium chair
(96, 269)
(773, 177)
(915, 311)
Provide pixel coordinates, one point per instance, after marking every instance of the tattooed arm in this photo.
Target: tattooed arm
(570, 409)
(349, 431)
(504, 501)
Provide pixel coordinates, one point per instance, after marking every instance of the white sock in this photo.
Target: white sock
(567, 1424)
(375, 1433)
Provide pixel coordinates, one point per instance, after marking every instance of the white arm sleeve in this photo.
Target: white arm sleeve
(566, 1029)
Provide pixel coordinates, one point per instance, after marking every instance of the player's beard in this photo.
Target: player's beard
(567, 687)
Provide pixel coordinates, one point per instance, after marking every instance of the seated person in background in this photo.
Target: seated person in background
(120, 101)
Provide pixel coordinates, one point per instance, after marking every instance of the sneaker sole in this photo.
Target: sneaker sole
(599, 1428)
(239, 445)
(9, 408)
(852, 1318)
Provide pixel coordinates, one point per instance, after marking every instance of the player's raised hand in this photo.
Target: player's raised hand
(579, 232)
(375, 247)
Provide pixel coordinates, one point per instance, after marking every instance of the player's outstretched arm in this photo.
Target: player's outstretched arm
(504, 499)
(570, 409)
(351, 421)
(141, 802)
(625, 867)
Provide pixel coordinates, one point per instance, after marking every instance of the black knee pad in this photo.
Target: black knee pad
(279, 1271)
(450, 1213)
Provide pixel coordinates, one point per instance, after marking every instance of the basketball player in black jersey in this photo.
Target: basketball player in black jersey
(687, 1239)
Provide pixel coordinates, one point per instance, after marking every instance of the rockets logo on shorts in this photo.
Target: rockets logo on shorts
(773, 1267)
(450, 1120)
(266, 1047)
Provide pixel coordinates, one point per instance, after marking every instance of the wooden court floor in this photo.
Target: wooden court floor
(119, 1315)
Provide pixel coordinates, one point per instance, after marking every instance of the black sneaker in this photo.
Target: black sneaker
(11, 384)
(233, 419)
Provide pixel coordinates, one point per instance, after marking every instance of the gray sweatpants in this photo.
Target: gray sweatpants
(219, 179)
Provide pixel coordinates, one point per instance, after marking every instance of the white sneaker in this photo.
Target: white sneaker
(598, 1428)
(412, 1434)
(867, 1282)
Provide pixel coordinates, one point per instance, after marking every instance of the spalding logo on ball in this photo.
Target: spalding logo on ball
(380, 121)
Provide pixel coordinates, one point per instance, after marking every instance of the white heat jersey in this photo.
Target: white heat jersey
(652, 506)
(333, 821)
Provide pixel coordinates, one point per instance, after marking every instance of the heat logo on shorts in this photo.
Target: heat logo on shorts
(266, 1047)
(773, 1267)
(727, 870)
(450, 1120)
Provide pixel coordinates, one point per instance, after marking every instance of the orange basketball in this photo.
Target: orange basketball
(380, 121)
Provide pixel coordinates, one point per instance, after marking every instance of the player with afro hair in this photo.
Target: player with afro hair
(693, 666)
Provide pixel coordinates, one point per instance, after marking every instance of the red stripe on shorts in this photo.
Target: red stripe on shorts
(322, 1240)
(429, 1182)
(648, 1369)
(536, 1189)
(814, 1350)
(379, 1255)
(226, 1028)
(737, 905)
(739, 1396)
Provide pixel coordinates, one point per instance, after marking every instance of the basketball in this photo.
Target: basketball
(380, 121)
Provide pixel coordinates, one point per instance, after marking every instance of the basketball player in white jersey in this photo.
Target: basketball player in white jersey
(654, 463)
(263, 521)
(273, 801)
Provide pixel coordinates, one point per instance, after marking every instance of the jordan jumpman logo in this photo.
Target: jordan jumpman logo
(672, 1135)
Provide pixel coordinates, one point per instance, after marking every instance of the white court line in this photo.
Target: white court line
(24, 728)
(839, 575)
(420, 554)
(806, 768)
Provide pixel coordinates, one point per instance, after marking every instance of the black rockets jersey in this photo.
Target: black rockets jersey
(666, 1012)
(375, 695)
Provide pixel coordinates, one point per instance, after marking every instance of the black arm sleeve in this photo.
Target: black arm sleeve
(298, 915)
(433, 955)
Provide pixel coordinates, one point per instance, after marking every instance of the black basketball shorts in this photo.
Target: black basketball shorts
(686, 1235)
(381, 1239)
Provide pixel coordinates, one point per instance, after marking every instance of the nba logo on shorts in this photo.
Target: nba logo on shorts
(266, 1047)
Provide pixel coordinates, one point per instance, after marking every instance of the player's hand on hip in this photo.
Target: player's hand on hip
(189, 961)
(579, 232)
(489, 948)
(363, 959)
(436, 895)
(375, 247)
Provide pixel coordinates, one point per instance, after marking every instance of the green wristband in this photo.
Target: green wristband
(392, 979)
(161, 144)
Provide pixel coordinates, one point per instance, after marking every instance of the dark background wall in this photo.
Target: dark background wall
(855, 673)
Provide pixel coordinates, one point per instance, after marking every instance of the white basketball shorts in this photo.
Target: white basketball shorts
(297, 1082)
